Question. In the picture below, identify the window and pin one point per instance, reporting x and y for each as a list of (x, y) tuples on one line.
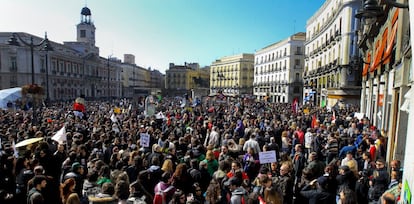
[(82, 33), (297, 63), (13, 81), (297, 77), (296, 89), (298, 50), (42, 65), (61, 67), (13, 63)]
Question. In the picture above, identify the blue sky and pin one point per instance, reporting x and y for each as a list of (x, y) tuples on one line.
[(158, 32)]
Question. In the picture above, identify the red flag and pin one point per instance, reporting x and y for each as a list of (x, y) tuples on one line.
[(313, 124), (333, 116), (295, 105)]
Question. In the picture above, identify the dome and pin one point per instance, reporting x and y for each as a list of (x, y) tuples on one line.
[(86, 11)]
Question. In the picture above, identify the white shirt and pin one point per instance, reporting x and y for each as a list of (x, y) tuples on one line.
[(308, 140)]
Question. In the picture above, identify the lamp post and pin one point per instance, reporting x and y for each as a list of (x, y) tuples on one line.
[(47, 47), (14, 40), (109, 90)]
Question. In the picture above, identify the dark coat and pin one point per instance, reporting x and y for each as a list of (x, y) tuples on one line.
[(317, 196)]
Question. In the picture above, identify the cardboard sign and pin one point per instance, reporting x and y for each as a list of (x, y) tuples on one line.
[(267, 157), (144, 139)]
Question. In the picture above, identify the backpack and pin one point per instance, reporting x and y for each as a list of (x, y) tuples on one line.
[(160, 195), (32, 194)]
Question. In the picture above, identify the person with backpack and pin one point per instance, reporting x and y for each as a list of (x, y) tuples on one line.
[(35, 194), (238, 193), (164, 190)]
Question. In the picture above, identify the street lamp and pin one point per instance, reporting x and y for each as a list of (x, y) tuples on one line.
[(13, 41), (47, 47), (109, 90), (372, 10)]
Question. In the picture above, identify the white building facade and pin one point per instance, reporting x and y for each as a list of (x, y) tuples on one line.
[(278, 70), (69, 70), (332, 65)]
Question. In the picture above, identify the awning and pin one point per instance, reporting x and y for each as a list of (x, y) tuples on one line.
[(383, 48), (379, 51), (388, 51)]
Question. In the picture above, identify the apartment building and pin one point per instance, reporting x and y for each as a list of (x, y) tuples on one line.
[(232, 75), (332, 65), (387, 74), (278, 70), (182, 79)]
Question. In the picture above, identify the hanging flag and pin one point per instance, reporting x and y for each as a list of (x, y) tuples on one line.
[(295, 105), (113, 118), (60, 136), (313, 124), (15, 152), (160, 115)]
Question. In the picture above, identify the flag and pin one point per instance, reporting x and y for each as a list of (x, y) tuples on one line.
[(60, 136), (295, 105), (113, 118), (313, 124), (159, 115), (333, 116), (15, 152)]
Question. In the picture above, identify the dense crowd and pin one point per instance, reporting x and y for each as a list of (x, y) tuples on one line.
[(210, 152)]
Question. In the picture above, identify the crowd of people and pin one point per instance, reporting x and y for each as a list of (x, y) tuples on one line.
[(207, 153)]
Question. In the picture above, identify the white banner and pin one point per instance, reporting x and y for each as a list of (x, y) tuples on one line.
[(60, 136), (144, 139), (267, 157)]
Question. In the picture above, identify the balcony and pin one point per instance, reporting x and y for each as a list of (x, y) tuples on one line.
[(13, 69)]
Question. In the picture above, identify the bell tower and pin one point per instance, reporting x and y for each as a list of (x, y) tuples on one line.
[(86, 28)]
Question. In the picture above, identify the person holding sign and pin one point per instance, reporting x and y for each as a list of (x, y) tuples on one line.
[(251, 161)]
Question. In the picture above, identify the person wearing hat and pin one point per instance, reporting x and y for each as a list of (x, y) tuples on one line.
[(237, 192), (317, 193), (77, 174)]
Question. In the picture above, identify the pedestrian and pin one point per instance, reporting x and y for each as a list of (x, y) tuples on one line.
[(67, 192), (35, 196)]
